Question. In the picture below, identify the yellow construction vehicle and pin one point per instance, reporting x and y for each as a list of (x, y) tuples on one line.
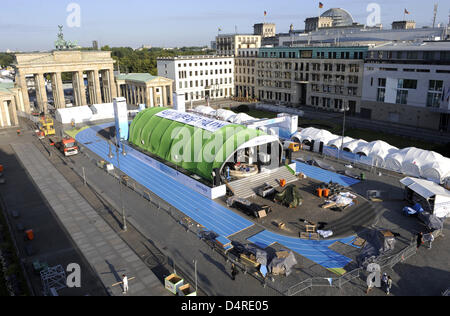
[(46, 127)]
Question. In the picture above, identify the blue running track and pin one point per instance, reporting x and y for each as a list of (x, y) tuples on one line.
[(316, 251), (204, 211), (325, 175), (201, 209)]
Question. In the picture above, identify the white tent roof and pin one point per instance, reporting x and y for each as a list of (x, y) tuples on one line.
[(394, 161), (436, 171), (224, 115), (377, 150), (414, 159), (338, 142), (307, 134), (241, 118), (206, 110), (352, 145)]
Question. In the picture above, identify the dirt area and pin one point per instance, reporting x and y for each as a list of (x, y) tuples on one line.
[(310, 211)]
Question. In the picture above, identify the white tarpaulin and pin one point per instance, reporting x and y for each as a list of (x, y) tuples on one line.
[(102, 111), (428, 190), (78, 114), (205, 110), (394, 161)]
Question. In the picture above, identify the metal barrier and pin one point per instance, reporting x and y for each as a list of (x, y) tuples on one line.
[(385, 263)]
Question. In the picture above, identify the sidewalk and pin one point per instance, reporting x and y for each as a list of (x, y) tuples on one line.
[(105, 251)]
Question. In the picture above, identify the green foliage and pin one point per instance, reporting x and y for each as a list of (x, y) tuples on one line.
[(243, 108), (6, 59), (144, 60)]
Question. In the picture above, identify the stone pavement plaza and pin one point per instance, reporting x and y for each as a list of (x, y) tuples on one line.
[(108, 255)]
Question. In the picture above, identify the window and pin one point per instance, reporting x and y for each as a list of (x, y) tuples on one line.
[(407, 84), (382, 82), (381, 94), (434, 96), (402, 97)]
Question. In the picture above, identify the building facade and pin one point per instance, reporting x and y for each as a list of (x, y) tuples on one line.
[(229, 44), (142, 88), (408, 84), (265, 29), (10, 100), (322, 77), (245, 73), (97, 65), (199, 78)]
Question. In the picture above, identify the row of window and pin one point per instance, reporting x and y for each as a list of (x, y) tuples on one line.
[(202, 95), (184, 74), (206, 83), (206, 63)]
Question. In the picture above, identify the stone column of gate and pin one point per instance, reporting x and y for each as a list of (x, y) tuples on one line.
[(76, 89), (164, 95), (147, 97), (155, 101), (14, 112), (150, 97), (171, 95), (60, 91), (20, 78), (3, 119), (105, 84), (112, 84), (42, 99), (81, 87), (98, 92), (91, 89)]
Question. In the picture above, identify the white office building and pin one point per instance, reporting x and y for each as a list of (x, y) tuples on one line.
[(408, 84), (199, 78)]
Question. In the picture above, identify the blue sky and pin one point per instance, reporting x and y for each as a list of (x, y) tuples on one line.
[(28, 25)]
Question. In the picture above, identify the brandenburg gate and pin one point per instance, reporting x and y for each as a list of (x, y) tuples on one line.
[(97, 65)]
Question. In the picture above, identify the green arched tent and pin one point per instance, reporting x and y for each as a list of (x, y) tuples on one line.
[(195, 149)]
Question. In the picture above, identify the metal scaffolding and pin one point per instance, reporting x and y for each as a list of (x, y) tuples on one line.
[(53, 279)]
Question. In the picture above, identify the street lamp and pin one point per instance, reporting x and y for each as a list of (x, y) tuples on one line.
[(344, 109), (124, 218)]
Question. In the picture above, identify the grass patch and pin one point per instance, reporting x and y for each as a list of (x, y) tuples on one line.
[(73, 132)]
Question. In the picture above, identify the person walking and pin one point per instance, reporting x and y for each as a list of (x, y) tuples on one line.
[(419, 240), (388, 285), (384, 281), (234, 271), (125, 284)]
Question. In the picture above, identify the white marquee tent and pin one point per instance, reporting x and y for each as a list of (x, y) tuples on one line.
[(241, 118), (352, 145), (337, 143), (225, 115), (415, 159), (377, 150), (436, 171)]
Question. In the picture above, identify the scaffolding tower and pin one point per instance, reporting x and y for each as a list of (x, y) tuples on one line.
[(53, 279)]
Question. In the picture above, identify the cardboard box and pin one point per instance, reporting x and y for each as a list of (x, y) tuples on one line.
[(173, 282)]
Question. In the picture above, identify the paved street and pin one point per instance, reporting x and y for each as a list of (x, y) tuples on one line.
[(106, 252)]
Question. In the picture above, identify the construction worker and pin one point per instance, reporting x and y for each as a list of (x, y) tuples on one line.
[(18, 132), (125, 284)]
